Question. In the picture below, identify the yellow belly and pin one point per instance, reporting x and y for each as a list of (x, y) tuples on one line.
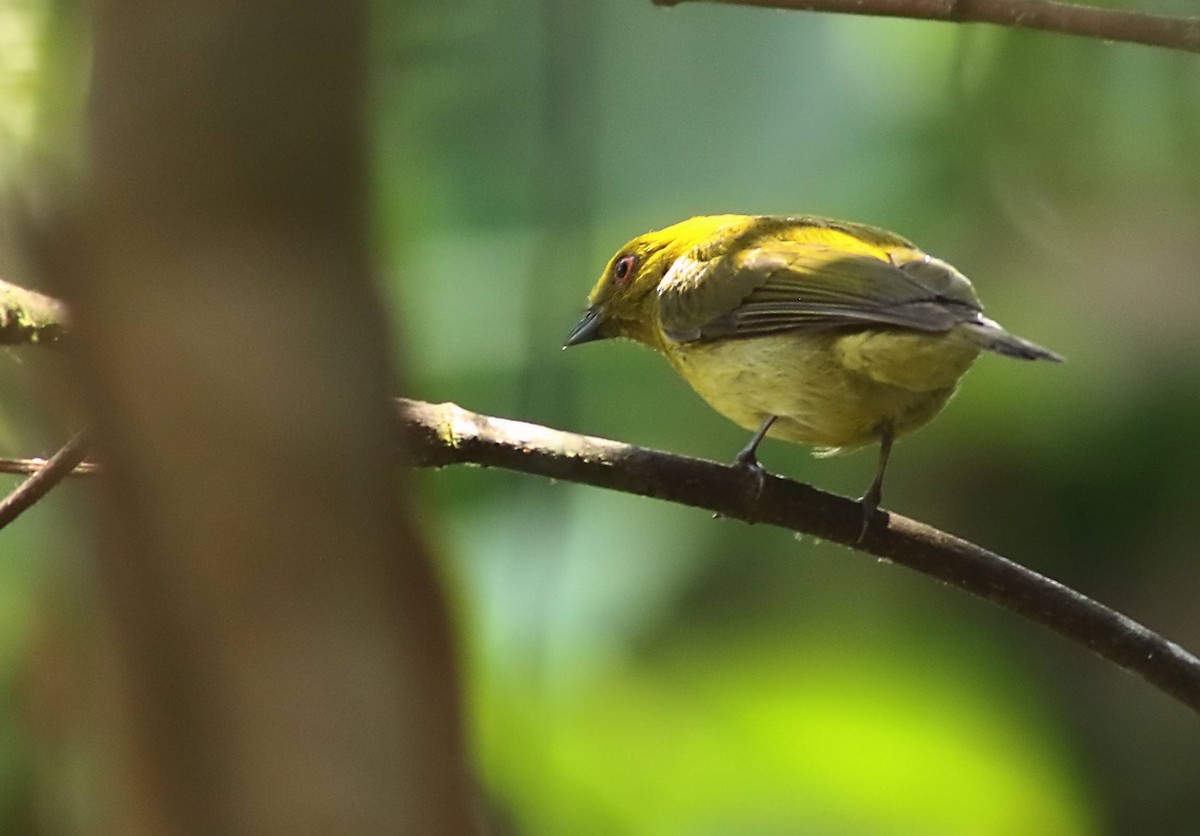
[(828, 390)]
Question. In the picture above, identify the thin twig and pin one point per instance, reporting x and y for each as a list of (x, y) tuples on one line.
[(57, 467), (23, 467), (1182, 33), (443, 434)]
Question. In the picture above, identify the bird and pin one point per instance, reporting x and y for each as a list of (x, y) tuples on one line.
[(827, 333)]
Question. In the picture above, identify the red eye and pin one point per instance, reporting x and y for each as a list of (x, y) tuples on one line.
[(626, 264)]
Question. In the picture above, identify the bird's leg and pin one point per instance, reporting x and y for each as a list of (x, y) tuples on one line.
[(870, 500), (747, 459)]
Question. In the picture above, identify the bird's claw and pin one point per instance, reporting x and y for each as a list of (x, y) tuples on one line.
[(870, 507), (748, 463)]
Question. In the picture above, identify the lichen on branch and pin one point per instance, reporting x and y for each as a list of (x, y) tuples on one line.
[(30, 318)]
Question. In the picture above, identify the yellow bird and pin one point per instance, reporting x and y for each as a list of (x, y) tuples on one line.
[(827, 333)]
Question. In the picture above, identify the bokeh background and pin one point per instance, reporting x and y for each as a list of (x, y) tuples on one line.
[(637, 668)]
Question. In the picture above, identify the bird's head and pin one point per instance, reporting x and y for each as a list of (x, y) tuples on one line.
[(623, 302)]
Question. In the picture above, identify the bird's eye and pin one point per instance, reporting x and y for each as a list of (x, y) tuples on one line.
[(625, 267)]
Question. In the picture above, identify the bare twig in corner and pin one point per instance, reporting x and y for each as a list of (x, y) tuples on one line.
[(442, 434), (23, 467), (57, 467), (1182, 33)]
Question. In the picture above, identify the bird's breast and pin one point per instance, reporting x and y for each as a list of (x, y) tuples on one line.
[(822, 386)]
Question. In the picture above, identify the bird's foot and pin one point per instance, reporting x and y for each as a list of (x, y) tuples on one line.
[(748, 463), (870, 507)]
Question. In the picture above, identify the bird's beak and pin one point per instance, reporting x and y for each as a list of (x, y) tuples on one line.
[(587, 329)]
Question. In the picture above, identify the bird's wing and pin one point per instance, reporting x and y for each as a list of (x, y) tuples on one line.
[(787, 285)]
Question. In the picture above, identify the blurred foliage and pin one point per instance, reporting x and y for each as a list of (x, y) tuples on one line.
[(639, 668)]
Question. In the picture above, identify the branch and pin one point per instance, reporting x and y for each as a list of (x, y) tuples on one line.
[(28, 317), (1182, 33), (437, 435), (61, 465), (24, 467)]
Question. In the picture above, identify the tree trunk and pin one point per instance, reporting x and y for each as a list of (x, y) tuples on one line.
[(282, 653)]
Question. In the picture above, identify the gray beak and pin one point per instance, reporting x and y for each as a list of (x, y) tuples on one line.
[(587, 329)]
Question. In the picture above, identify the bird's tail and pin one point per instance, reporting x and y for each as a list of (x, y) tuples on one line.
[(989, 336)]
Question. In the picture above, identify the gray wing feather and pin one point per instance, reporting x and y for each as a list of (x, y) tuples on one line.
[(793, 286)]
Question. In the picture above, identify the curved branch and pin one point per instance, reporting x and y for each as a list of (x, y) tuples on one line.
[(436, 435), (1182, 33)]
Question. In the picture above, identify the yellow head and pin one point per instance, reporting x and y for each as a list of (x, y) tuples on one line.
[(622, 304)]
